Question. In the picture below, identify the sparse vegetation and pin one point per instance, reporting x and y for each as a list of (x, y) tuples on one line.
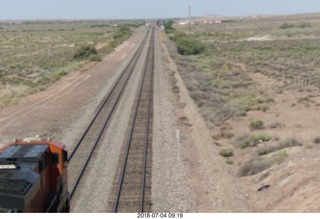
[(252, 140), (256, 124), (292, 25), (250, 67), (276, 125), (229, 161), (292, 142), (317, 140), (34, 54), (226, 152), (86, 52), (168, 26), (186, 44), (258, 165), (286, 25)]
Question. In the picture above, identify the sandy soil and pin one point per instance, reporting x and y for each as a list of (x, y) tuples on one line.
[(287, 187), (292, 184)]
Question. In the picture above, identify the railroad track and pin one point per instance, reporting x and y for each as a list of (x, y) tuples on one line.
[(132, 186), (91, 137)]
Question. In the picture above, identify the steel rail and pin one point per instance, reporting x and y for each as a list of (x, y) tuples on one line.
[(139, 51), (133, 124), (147, 132), (133, 62)]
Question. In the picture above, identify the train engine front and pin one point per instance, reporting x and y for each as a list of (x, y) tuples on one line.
[(33, 176)]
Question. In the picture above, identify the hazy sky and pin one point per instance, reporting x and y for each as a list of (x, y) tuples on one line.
[(89, 9)]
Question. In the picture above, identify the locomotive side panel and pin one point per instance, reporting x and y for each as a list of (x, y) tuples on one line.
[(33, 176)]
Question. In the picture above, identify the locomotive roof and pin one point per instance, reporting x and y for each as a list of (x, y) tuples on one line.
[(23, 151), (16, 164)]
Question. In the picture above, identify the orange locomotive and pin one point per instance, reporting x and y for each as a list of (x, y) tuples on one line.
[(33, 176)]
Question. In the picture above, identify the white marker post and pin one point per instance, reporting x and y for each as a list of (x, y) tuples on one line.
[(178, 142)]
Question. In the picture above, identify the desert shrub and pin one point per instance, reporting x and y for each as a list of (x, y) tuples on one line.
[(256, 124), (95, 58), (196, 95), (256, 166), (276, 125), (316, 140), (229, 161), (187, 45), (85, 52), (280, 157), (291, 142), (266, 150), (43, 81), (227, 134), (252, 140), (286, 25), (243, 103), (226, 112), (226, 152), (304, 25), (122, 33), (253, 167), (168, 26)]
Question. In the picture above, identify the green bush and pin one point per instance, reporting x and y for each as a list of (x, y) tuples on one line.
[(95, 58), (168, 26), (226, 152), (187, 45), (252, 140), (256, 124), (123, 32), (84, 52)]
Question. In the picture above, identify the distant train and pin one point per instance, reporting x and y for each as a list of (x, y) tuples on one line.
[(33, 176)]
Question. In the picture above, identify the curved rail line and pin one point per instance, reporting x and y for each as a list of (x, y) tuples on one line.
[(101, 119), (131, 187)]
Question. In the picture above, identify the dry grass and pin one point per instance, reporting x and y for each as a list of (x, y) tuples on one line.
[(292, 142), (35, 54), (258, 165), (251, 140), (224, 83)]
